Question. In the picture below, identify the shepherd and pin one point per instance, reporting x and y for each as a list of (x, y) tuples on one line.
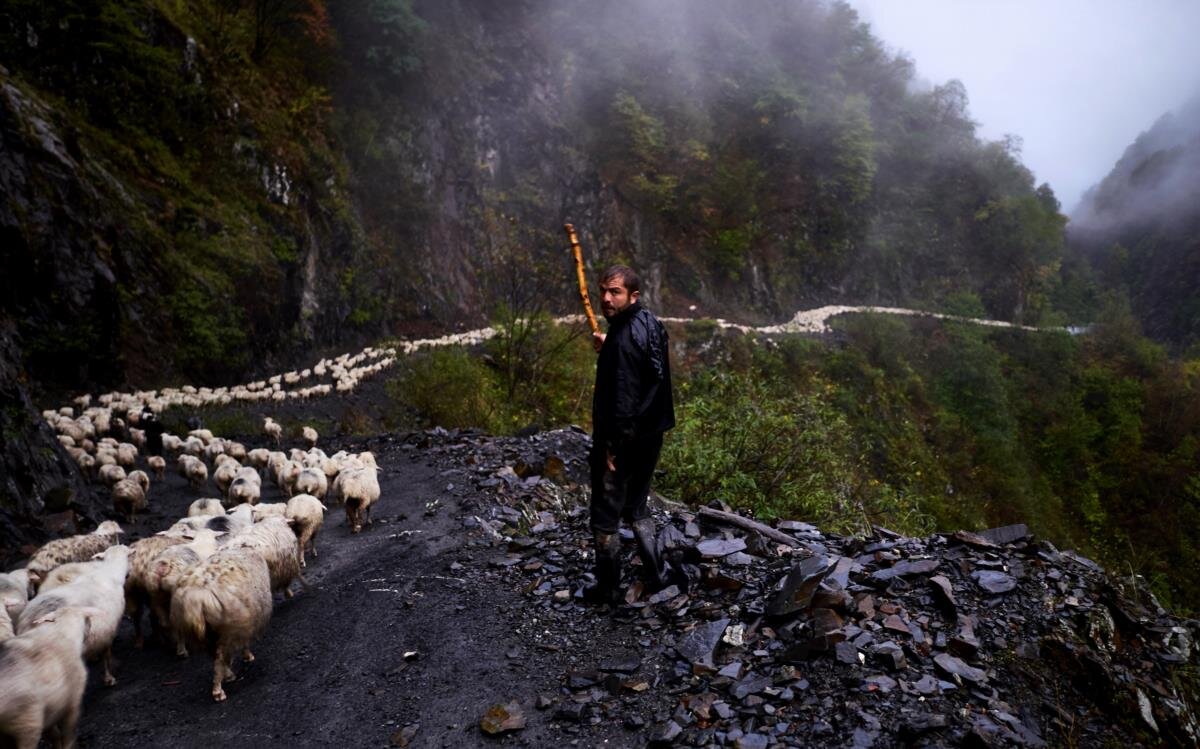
[(632, 408)]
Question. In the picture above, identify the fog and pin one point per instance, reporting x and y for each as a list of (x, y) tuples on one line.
[(1077, 80)]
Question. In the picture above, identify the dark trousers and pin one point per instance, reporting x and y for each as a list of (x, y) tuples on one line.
[(622, 493)]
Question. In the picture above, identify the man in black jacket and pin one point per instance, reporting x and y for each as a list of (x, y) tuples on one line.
[(631, 409)]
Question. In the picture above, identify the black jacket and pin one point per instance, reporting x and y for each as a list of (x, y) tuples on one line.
[(633, 380)]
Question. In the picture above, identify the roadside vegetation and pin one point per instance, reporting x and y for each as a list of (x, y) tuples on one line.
[(912, 424)]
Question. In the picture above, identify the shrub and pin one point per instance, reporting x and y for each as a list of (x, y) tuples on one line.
[(449, 388), (738, 441)]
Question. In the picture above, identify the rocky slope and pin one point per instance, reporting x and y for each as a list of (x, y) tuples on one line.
[(41, 489), (456, 617)]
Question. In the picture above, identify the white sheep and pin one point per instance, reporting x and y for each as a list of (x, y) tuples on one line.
[(205, 507), (99, 585), (274, 540), (14, 592), (243, 491), (311, 481), (168, 567), (270, 510), (42, 678), (310, 436), (286, 478), (140, 579), (126, 455), (73, 549), (273, 430), (194, 470), (258, 457), (158, 464), (224, 475), (224, 602), (130, 495), (307, 514), (236, 450), (359, 490), (110, 474)]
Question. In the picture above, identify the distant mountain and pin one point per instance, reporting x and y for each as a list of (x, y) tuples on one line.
[(1140, 226)]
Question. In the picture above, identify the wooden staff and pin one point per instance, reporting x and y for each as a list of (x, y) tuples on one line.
[(583, 292)]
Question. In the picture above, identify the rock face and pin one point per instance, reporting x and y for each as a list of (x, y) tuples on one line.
[(990, 639), (39, 483)]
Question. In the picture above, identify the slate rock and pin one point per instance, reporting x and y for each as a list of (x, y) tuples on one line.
[(404, 736), (715, 548), (994, 582), (1007, 534), (665, 733), (751, 684), (956, 667), (799, 586), (905, 568), (847, 653), (943, 594), (502, 718), (624, 665), (697, 645), (751, 741)]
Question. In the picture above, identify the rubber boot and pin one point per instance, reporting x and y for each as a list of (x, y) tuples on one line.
[(607, 570), (654, 567)]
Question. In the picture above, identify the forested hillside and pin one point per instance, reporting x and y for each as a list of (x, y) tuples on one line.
[(189, 183), (1139, 228)]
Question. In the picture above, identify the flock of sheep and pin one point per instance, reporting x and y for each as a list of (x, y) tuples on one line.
[(209, 579)]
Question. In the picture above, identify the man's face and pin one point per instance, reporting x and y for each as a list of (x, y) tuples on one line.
[(614, 297)]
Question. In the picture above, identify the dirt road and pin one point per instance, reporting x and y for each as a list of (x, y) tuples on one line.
[(405, 624)]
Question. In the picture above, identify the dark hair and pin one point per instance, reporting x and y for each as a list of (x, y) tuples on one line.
[(628, 278)]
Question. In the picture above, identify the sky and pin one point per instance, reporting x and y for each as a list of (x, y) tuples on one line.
[(1077, 80)]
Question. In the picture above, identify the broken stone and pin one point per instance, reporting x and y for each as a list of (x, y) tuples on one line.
[(864, 604), (824, 621), (715, 548), (1007, 534), (973, 539), (752, 684), (839, 577), (890, 655), (582, 679), (751, 741), (574, 712), (880, 683), (502, 718), (665, 594), (697, 645), (994, 582), (799, 586), (847, 653), (943, 595), (927, 685), (904, 569), (955, 667), (665, 734), (403, 737), (623, 665)]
